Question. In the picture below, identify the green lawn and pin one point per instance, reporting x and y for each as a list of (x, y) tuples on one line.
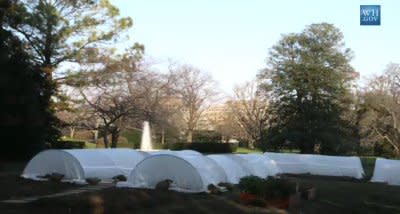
[(247, 150), (368, 165), (89, 145)]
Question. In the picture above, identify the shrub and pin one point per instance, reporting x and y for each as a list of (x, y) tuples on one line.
[(252, 184), (178, 146), (213, 147), (205, 147), (206, 136), (243, 144), (278, 188), (270, 188), (68, 144), (133, 136)]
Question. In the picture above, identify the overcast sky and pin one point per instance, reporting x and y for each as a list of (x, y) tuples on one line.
[(230, 38)]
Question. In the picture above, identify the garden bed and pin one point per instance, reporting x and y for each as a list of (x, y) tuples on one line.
[(14, 187)]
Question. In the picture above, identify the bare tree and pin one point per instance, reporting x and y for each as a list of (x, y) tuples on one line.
[(113, 110), (71, 119), (106, 90), (124, 91), (381, 102), (155, 92), (229, 127), (249, 107), (195, 90)]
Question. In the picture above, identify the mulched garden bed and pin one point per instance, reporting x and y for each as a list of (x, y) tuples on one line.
[(14, 187)]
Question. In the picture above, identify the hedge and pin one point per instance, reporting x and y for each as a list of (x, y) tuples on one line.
[(206, 136), (204, 147), (68, 144)]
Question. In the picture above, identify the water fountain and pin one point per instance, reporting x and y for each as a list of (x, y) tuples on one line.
[(145, 144)]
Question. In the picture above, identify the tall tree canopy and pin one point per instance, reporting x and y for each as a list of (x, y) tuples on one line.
[(26, 122), (380, 113), (57, 31), (195, 89), (309, 76), (250, 108)]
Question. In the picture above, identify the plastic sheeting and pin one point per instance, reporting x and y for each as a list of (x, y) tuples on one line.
[(189, 172), (260, 165), (318, 164), (78, 164), (51, 161), (125, 159), (234, 166), (387, 171), (289, 163), (180, 152), (335, 166)]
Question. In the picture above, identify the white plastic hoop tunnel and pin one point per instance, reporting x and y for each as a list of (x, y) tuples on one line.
[(189, 173), (78, 164)]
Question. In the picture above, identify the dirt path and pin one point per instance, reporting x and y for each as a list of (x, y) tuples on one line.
[(64, 193)]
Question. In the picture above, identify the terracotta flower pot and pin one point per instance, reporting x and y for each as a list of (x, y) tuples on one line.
[(279, 203), (247, 197)]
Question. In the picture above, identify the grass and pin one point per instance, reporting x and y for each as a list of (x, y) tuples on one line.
[(247, 150), (256, 150), (368, 165), (89, 145)]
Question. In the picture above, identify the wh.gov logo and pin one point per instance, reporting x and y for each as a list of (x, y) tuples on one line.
[(370, 15)]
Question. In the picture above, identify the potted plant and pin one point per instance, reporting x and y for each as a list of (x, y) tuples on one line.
[(271, 192), (251, 188), (278, 191)]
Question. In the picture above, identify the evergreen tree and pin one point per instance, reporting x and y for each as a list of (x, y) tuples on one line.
[(309, 77), (26, 121)]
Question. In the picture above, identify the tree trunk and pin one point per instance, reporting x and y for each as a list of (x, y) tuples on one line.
[(162, 136), (114, 137), (251, 144), (190, 136), (95, 136), (105, 136), (71, 132)]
